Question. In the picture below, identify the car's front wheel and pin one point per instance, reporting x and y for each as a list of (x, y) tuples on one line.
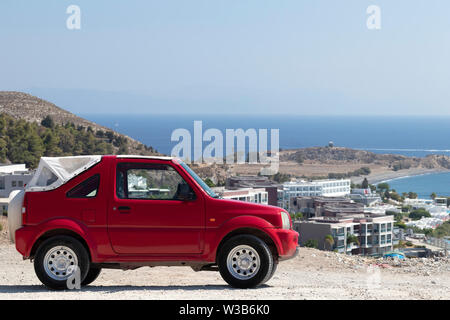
[(57, 260), (245, 261)]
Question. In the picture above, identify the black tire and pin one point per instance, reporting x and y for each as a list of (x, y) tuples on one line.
[(66, 241), (275, 265), (266, 261), (91, 276)]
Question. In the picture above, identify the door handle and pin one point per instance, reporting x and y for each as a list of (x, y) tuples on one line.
[(124, 209)]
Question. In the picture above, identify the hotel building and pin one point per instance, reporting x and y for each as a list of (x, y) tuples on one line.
[(324, 188)]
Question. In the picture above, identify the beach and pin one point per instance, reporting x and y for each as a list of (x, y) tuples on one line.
[(386, 175)]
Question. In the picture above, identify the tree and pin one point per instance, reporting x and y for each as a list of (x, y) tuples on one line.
[(400, 224), (48, 122), (109, 135), (395, 196), (419, 213), (433, 195), (329, 240), (442, 231), (3, 150), (351, 238), (25, 142), (365, 184), (407, 208), (298, 216), (209, 182), (51, 142), (281, 177), (383, 186), (412, 195), (398, 216), (2, 125)]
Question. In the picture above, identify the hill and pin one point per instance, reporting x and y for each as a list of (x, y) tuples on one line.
[(31, 127), (339, 162), (333, 155)]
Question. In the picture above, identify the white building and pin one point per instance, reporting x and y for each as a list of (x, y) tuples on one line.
[(375, 233), (365, 196), (255, 195), (437, 209), (426, 223), (417, 203), (381, 208), (442, 202), (302, 188), (12, 177)]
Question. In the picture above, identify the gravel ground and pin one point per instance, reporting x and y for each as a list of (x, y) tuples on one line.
[(311, 275)]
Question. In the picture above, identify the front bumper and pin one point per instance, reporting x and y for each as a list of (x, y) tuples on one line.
[(297, 250), (288, 243)]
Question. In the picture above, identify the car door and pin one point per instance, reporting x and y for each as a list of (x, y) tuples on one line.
[(146, 216)]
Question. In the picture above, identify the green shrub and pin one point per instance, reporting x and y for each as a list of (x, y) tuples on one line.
[(311, 243), (419, 213)]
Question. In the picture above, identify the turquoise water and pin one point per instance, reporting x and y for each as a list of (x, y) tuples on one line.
[(423, 185)]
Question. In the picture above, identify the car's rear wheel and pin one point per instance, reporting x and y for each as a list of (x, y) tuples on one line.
[(91, 276), (245, 261), (56, 261)]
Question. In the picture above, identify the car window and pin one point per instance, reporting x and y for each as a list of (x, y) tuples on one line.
[(120, 189), (198, 179), (86, 189), (148, 181)]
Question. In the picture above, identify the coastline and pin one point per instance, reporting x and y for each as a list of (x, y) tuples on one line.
[(385, 176)]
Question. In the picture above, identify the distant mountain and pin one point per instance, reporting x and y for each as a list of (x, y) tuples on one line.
[(63, 133)]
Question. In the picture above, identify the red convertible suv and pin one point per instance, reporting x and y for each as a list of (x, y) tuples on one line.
[(126, 212)]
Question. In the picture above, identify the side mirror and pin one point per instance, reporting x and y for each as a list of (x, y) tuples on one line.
[(184, 192)]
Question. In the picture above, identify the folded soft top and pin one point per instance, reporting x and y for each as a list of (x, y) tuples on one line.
[(53, 172)]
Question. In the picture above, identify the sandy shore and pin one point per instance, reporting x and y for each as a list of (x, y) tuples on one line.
[(383, 175)]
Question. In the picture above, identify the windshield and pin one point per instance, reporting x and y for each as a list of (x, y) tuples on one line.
[(198, 179)]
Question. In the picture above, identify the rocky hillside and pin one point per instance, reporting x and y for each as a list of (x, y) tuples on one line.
[(335, 155), (22, 106)]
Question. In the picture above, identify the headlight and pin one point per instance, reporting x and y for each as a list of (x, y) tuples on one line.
[(285, 220)]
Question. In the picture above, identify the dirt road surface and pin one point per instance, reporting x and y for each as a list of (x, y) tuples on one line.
[(311, 275)]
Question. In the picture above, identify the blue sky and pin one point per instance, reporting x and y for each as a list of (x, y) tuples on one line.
[(214, 56)]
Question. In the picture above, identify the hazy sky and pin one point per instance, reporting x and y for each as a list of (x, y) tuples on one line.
[(233, 56)]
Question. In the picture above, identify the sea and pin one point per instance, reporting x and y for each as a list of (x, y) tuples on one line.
[(406, 135)]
